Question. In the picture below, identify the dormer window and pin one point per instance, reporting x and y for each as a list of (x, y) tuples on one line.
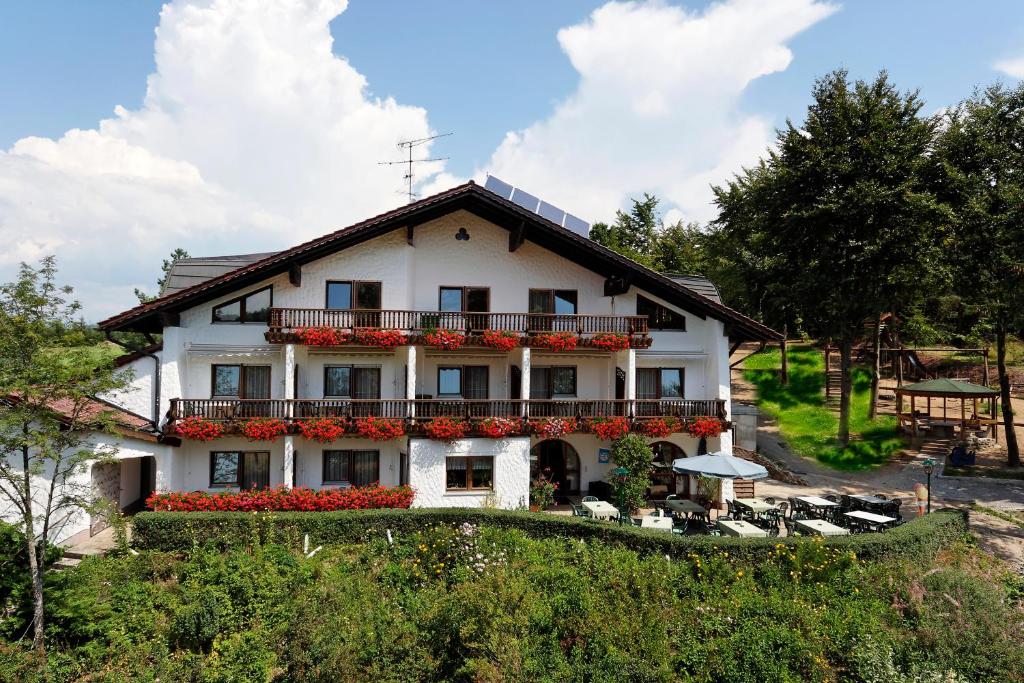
[(250, 308), (659, 317)]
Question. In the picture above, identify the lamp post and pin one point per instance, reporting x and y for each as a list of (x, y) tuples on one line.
[(621, 473), (929, 467)]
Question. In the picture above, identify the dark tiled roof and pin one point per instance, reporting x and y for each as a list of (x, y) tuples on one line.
[(189, 272), (479, 201), (697, 283)]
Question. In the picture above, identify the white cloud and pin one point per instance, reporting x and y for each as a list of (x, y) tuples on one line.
[(657, 107), (252, 136), (1013, 67)]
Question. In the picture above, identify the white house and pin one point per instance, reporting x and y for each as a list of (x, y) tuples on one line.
[(471, 259)]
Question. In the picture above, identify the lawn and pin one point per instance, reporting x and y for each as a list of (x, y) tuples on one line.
[(807, 424), (474, 603)]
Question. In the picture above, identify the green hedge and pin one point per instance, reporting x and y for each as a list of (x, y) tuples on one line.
[(175, 531)]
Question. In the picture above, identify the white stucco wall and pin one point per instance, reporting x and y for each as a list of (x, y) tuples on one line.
[(511, 471), (137, 397)]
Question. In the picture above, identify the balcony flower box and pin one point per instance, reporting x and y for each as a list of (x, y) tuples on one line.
[(282, 499), (449, 340), (445, 429), (385, 339), (500, 427), (379, 428), (610, 341), (196, 428), (322, 429), (553, 427), (556, 341), (321, 336), (704, 427), (503, 340), (609, 428), (263, 429), (659, 427)]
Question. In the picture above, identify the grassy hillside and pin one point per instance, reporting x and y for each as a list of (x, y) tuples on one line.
[(807, 424)]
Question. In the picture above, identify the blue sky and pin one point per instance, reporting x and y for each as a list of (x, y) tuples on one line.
[(236, 126), (65, 64)]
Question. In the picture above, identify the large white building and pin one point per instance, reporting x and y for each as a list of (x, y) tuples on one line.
[(469, 259)]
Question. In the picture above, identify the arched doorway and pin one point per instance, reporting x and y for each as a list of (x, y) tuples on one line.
[(664, 453), (563, 462)]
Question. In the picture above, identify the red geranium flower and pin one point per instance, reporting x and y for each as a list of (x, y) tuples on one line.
[(556, 341), (704, 427), (263, 429), (282, 499), (500, 427), (610, 428), (444, 339), (610, 341), (503, 340), (551, 427), (385, 339), (659, 427), (379, 428), (445, 429), (198, 428), (321, 336), (322, 429)]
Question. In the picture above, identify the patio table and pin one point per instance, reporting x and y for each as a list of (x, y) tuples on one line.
[(820, 527), (660, 523), (739, 528), (755, 505), (686, 507), (871, 517), (817, 501), (870, 500), (601, 509)]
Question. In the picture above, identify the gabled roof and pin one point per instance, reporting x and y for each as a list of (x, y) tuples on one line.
[(697, 283), (475, 199), (188, 272), (947, 387), (93, 409)]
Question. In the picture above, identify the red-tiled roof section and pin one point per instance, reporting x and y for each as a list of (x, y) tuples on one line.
[(716, 309), (93, 409)]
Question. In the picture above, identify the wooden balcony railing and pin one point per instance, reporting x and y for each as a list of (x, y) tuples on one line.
[(227, 410), (286, 320)]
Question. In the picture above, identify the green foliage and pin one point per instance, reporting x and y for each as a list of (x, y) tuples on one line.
[(165, 267), (540, 608), (633, 453), (180, 531), (807, 424), (633, 234)]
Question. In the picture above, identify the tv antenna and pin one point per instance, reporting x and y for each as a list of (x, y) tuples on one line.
[(408, 145)]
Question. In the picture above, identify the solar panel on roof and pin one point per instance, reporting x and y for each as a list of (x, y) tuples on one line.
[(551, 212), (498, 187), (525, 200), (577, 225)]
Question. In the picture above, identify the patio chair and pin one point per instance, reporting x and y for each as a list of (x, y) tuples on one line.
[(672, 496), (882, 496), (783, 508), (893, 509), (679, 526), (589, 499), (769, 500), (790, 527), (712, 530), (579, 511), (727, 518), (794, 506), (847, 504), (832, 497)]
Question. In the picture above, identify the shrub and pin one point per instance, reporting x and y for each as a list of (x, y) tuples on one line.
[(633, 453), (284, 499)]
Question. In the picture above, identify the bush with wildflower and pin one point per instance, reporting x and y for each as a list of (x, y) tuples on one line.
[(451, 554)]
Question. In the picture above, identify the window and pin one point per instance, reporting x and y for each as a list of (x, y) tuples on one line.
[(658, 383), (353, 295), (347, 381), (456, 299), (467, 381), (251, 308), (356, 468), (469, 473), (659, 317), (241, 381), (560, 301), (551, 382), (249, 470)]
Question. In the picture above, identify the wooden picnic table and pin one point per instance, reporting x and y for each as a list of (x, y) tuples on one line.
[(660, 523), (685, 507), (740, 528), (817, 501), (820, 527), (601, 509), (871, 517), (755, 505)]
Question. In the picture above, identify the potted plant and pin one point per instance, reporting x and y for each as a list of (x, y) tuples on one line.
[(542, 491)]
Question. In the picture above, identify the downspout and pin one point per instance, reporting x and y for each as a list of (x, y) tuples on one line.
[(156, 376)]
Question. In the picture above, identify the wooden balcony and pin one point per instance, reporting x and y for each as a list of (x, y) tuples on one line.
[(284, 322), (239, 410)]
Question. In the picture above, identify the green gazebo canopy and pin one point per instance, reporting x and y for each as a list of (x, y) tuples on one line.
[(947, 387)]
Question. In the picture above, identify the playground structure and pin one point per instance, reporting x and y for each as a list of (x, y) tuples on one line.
[(961, 394)]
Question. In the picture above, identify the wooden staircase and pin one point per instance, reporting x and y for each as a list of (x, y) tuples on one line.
[(833, 379)]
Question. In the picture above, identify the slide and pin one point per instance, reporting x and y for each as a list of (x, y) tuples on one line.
[(915, 364)]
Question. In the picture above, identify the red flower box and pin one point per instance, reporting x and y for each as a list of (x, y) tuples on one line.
[(610, 341), (503, 340), (659, 427), (551, 427), (610, 428), (556, 341), (385, 339), (704, 427), (322, 429), (444, 339), (500, 427), (322, 336), (379, 428), (196, 428), (445, 429), (283, 499), (264, 429)]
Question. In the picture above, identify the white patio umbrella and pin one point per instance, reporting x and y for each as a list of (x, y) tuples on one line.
[(720, 466)]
